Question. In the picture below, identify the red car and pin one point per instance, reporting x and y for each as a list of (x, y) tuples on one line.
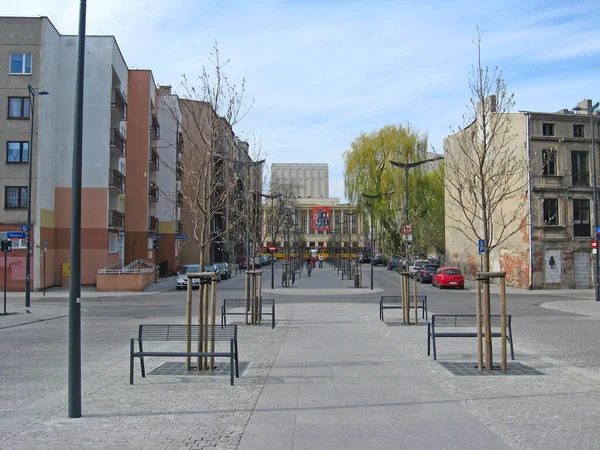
[(448, 277)]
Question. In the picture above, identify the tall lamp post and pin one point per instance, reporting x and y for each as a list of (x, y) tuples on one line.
[(372, 199), (407, 166), (32, 95), (272, 197), (590, 110)]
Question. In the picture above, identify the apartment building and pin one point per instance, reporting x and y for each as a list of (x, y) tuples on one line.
[(553, 247), (34, 53)]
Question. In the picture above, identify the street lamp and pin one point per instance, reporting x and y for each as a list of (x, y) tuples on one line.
[(32, 94), (372, 199), (272, 197), (407, 166), (590, 110)]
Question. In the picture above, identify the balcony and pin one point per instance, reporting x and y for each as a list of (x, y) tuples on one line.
[(116, 181), (581, 178), (118, 104), (153, 193), (178, 227), (116, 220), (117, 142), (154, 161), (179, 172), (180, 199), (152, 224), (154, 128)]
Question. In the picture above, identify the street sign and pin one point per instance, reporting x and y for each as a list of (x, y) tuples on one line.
[(598, 230), (409, 237), (15, 235), (182, 237), (156, 236), (481, 245), (24, 228), (272, 248), (45, 245), (594, 244), (407, 229)]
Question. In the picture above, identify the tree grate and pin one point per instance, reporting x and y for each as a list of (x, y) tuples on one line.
[(466, 369)]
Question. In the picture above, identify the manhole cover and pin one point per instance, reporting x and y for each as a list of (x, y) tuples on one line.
[(178, 368), (462, 369)]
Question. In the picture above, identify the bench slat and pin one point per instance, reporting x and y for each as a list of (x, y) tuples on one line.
[(180, 332)]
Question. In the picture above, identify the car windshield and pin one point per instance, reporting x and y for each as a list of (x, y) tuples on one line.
[(209, 268), (190, 269), (452, 272), (431, 268)]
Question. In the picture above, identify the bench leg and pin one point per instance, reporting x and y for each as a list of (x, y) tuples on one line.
[(433, 343), (231, 362), (426, 312), (142, 360), (512, 350), (428, 339), (381, 311), (131, 360), (222, 313), (237, 368), (223, 317), (273, 318)]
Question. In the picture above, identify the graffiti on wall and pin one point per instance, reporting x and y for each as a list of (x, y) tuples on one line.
[(552, 266)]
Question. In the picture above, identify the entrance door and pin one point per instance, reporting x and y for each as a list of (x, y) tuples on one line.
[(582, 270)]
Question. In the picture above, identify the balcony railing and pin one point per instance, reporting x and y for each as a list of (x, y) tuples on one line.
[(582, 230), (581, 178), (154, 160), (117, 141), (116, 180), (179, 172), (154, 128), (116, 219), (153, 192), (178, 226), (179, 145), (180, 199), (118, 103), (152, 224)]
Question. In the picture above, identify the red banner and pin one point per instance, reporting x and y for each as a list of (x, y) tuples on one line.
[(321, 216)]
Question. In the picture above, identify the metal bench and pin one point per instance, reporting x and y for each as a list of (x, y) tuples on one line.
[(395, 302), (242, 307), (181, 333), (465, 321)]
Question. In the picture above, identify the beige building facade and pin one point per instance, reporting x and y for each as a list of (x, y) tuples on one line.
[(552, 246)]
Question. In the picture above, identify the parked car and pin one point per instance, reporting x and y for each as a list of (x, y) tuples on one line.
[(415, 266), (224, 269), (425, 274), (213, 268), (257, 262), (265, 260), (393, 263), (379, 260), (448, 277), (181, 282)]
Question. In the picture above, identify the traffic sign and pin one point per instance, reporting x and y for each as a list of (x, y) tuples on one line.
[(24, 228), (481, 244), (45, 245), (407, 229), (594, 244), (272, 248), (15, 235)]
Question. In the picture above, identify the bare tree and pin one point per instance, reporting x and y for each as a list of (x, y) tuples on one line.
[(486, 171)]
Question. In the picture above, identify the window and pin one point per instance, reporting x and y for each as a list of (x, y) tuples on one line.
[(17, 152), (548, 129), (16, 242), (550, 211), (18, 107), (113, 242), (15, 197), (579, 167), (303, 223), (577, 130), (581, 218), (20, 64), (549, 161)]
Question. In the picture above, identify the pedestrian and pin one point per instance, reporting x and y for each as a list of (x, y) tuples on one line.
[(320, 261), (309, 265), (314, 262)]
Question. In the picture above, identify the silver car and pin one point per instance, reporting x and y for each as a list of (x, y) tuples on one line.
[(182, 276)]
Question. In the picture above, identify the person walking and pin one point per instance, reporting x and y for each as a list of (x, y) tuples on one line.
[(309, 265), (320, 261)]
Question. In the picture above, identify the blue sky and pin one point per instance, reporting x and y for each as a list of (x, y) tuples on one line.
[(322, 72)]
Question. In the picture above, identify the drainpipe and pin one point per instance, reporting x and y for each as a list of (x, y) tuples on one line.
[(529, 201)]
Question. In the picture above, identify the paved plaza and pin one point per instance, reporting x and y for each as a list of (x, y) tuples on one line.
[(331, 375)]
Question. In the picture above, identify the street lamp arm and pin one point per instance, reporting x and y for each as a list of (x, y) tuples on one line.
[(415, 164)]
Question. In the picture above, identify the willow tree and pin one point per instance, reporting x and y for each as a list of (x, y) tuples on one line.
[(367, 171)]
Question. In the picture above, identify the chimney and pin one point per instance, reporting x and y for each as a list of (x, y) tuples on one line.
[(164, 90)]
